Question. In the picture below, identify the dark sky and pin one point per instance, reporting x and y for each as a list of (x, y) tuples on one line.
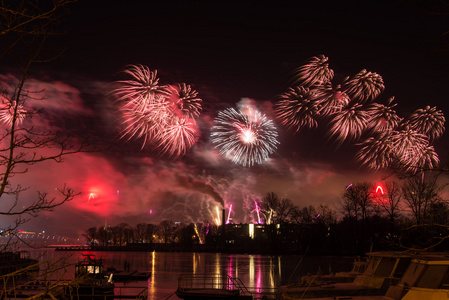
[(228, 51)]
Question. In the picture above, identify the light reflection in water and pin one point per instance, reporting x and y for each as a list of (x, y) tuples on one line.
[(152, 281)]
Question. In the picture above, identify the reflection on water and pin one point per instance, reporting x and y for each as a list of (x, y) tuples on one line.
[(255, 271)]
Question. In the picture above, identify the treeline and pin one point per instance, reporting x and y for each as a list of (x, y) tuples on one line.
[(394, 216)]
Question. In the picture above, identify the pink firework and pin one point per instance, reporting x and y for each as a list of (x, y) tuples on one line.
[(10, 111), (145, 123), (382, 117), (298, 108), (376, 153), (349, 123), (406, 149), (177, 136), (409, 148), (332, 99), (314, 72), (141, 88), (184, 100), (428, 121), (163, 116), (364, 86)]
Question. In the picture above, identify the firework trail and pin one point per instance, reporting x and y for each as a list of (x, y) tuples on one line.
[(364, 86), (257, 212), (229, 215), (163, 116), (428, 121), (314, 72), (298, 108), (246, 137)]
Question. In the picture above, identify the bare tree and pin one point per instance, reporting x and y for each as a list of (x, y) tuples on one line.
[(419, 193), (268, 207), (26, 27), (276, 210), (391, 199), (358, 199), (166, 229)]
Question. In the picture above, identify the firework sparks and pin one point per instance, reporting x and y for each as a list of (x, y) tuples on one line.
[(314, 72), (246, 137), (298, 108)]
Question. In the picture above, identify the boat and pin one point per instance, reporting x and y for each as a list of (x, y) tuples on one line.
[(91, 279), (358, 268), (426, 278), (383, 270)]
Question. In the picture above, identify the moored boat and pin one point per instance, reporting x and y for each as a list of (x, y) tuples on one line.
[(383, 269), (91, 279)]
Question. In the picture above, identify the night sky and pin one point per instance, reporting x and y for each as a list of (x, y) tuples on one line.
[(230, 52)]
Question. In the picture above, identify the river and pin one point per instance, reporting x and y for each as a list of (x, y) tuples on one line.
[(256, 271)]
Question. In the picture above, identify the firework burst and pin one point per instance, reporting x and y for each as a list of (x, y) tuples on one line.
[(405, 149), (364, 86), (376, 153), (349, 123), (428, 121), (141, 88), (382, 117), (298, 108), (9, 111), (163, 116), (246, 137), (178, 136), (331, 99), (314, 72), (184, 100)]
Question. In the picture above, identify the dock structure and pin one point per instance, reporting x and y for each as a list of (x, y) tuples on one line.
[(220, 287)]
